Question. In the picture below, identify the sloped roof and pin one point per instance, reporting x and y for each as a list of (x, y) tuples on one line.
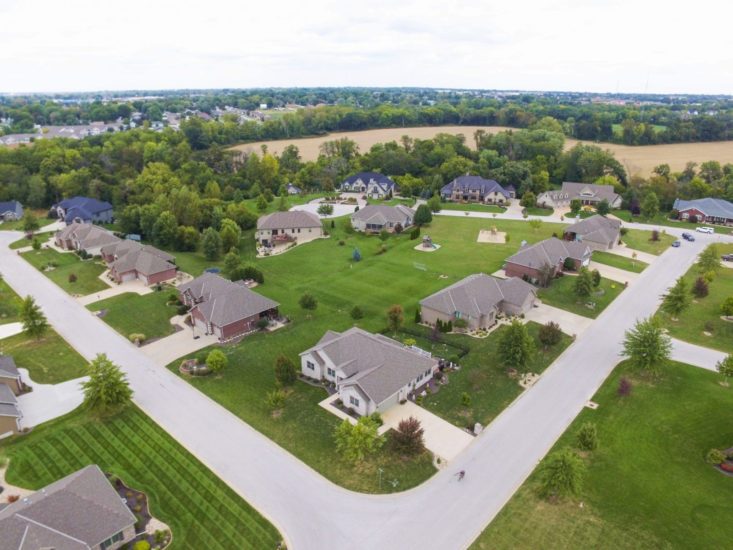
[(378, 365), (122, 247), (596, 229), (8, 402), (367, 177), (381, 214), (289, 220), (573, 190), (8, 367), (78, 511), (133, 256), (717, 208), (551, 251), (474, 183), (83, 207), (87, 234), (11, 206), (478, 295)]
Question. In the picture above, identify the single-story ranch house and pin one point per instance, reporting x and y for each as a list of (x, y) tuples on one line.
[(129, 260), (291, 189), (530, 261), (83, 209), (372, 184), (81, 511), (476, 189), (588, 194), (371, 372), (597, 232), (706, 210), (375, 217), (11, 211), (84, 236), (478, 299), (224, 308), (296, 226)]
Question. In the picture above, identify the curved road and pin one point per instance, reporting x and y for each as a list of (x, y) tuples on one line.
[(310, 511)]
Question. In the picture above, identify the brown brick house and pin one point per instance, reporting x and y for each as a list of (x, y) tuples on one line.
[(531, 260), (598, 232), (129, 260), (84, 236), (224, 308)]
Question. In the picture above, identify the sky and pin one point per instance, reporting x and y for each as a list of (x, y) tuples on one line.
[(571, 45)]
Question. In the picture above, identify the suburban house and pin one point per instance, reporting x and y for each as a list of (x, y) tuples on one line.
[(291, 189), (10, 211), (531, 261), (129, 261), (478, 299), (224, 308), (295, 226), (372, 184), (371, 372), (476, 189), (84, 236), (9, 374), (375, 217), (10, 414), (706, 210), (598, 232), (587, 193), (80, 511), (83, 209)]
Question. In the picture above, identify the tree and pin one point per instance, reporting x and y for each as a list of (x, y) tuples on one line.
[(33, 319), (709, 260), (165, 229), (575, 206), (650, 206), (356, 313), (30, 223), (230, 234), (677, 299), (232, 265), (285, 372), (647, 345), (726, 308), (516, 346), (528, 200), (550, 334), (383, 235), (308, 301), (587, 437), (261, 203), (423, 215), (603, 208), (325, 209), (211, 244), (434, 203), (395, 317), (216, 360), (355, 441), (107, 389), (561, 474), (596, 278), (725, 367), (535, 224), (700, 289), (583, 285), (282, 204), (408, 438)]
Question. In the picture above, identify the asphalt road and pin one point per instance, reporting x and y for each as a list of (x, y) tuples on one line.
[(313, 513)]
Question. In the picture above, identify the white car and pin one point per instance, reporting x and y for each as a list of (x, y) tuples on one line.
[(704, 229)]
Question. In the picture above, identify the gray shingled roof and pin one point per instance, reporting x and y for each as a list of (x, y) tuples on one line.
[(474, 183), (144, 259), (122, 247), (377, 365), (478, 295), (289, 220), (596, 229), (552, 251), (717, 208), (8, 367), (88, 235), (78, 511), (381, 214), (8, 402), (573, 190)]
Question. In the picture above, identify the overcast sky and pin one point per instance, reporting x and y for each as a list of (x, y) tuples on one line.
[(582, 45)]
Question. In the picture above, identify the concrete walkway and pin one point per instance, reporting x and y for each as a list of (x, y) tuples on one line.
[(10, 329), (570, 323), (695, 355), (614, 273), (48, 401), (137, 287)]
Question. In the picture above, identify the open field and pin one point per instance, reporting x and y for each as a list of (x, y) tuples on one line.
[(638, 160), (131, 313), (200, 509), (87, 271), (622, 262), (647, 485), (49, 360)]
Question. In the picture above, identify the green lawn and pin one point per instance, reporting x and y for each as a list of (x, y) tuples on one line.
[(49, 360), (17, 225), (663, 219), (202, 511), (23, 241), (647, 485), (539, 211), (484, 378), (561, 294), (9, 304), (472, 207), (87, 271), (621, 262), (703, 315), (292, 200), (131, 313), (639, 239)]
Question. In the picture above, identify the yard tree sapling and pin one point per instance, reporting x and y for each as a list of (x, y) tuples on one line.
[(709, 259), (434, 203), (587, 437), (211, 244), (528, 200), (356, 441), (34, 321), (596, 278), (230, 234), (677, 299), (650, 206), (261, 203), (575, 206), (30, 223), (726, 308), (550, 334), (395, 318), (603, 208), (516, 346), (700, 289), (408, 437), (725, 367), (583, 284), (423, 215), (561, 474), (216, 360), (107, 389), (285, 371), (647, 345)]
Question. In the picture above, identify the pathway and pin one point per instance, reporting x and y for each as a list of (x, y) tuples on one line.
[(10, 329), (695, 355), (570, 323)]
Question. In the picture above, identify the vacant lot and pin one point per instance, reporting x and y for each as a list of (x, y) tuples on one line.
[(647, 484), (131, 313), (49, 360), (63, 266), (201, 510), (9, 304)]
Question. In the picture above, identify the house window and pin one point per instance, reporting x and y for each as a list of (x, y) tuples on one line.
[(331, 372), (353, 401), (117, 537), (427, 372), (310, 365)]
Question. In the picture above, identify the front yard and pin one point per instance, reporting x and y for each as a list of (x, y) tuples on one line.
[(647, 485), (202, 510), (621, 262), (9, 304), (60, 267), (641, 240), (472, 207), (561, 294), (131, 313), (49, 360)]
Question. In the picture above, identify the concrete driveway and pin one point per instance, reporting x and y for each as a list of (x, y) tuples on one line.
[(570, 323), (48, 401), (10, 329), (181, 343), (614, 273), (695, 355), (442, 438), (137, 287)]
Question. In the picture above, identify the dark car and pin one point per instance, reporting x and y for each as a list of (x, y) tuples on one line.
[(727, 257), (676, 244), (688, 236)]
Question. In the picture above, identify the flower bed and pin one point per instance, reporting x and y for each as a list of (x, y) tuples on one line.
[(191, 367)]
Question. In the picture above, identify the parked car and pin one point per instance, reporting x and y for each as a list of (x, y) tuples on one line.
[(727, 257), (688, 236), (705, 229), (676, 244)]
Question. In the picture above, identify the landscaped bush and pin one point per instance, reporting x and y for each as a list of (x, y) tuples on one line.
[(216, 360), (141, 545), (342, 242), (72, 277), (356, 313), (263, 323), (550, 334), (623, 231), (715, 456), (624, 387), (408, 437), (587, 437), (182, 309), (414, 233), (137, 338), (569, 264)]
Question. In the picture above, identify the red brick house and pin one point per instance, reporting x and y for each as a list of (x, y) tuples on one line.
[(531, 260), (707, 210), (224, 308), (130, 261)]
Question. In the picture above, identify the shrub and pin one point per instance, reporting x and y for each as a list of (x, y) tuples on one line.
[(342, 242), (275, 399), (700, 289), (414, 233), (377, 418), (561, 474), (36, 244), (285, 372), (398, 228), (251, 272), (596, 278), (587, 437), (460, 323), (465, 399), (624, 387), (137, 338), (623, 231), (715, 456), (141, 545), (216, 360), (418, 316), (201, 358), (308, 302), (423, 215), (408, 437), (726, 307), (550, 334), (72, 277), (381, 250), (568, 264), (356, 313), (263, 323), (655, 235), (383, 235)]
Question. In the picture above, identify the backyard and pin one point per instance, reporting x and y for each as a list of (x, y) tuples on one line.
[(49, 360), (621, 262), (87, 272), (561, 294), (647, 485), (202, 510), (131, 313), (641, 240)]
